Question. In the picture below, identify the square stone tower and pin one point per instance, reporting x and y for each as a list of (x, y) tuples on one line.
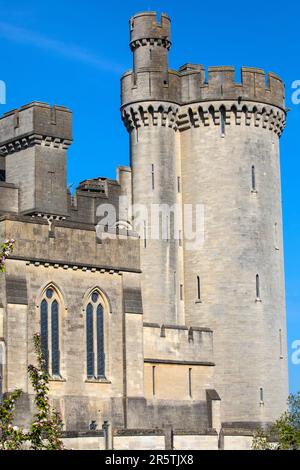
[(34, 140)]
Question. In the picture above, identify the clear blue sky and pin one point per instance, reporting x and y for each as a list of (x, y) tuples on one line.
[(72, 52)]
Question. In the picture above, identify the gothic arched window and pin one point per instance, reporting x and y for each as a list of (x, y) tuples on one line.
[(49, 321), (95, 337)]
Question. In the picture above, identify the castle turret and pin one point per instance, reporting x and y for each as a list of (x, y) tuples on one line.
[(150, 116), (150, 42)]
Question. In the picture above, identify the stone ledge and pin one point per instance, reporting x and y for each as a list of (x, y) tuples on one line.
[(74, 434), (138, 432), (183, 363), (62, 264), (195, 432)]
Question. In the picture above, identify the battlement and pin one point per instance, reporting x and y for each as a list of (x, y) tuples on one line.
[(146, 26), (97, 185), (189, 85), (34, 123), (254, 85), (178, 343)]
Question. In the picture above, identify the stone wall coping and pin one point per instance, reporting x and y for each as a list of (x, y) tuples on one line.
[(177, 327), (175, 362), (57, 223), (138, 432), (84, 434), (195, 432)]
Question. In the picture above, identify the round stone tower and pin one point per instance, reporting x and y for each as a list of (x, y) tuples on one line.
[(234, 283), (213, 143), (150, 114)]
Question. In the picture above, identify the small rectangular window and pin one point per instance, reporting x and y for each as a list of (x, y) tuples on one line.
[(261, 394), (190, 384), (153, 177), (179, 184), (198, 289), (181, 291), (180, 238), (253, 178), (257, 287), (153, 381), (280, 344)]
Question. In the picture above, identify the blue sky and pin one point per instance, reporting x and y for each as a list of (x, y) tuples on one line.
[(72, 53)]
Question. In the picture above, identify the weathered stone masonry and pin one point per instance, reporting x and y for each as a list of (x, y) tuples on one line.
[(191, 343)]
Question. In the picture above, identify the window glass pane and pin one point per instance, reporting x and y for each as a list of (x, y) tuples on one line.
[(90, 340), (55, 338), (49, 293), (100, 342), (44, 332)]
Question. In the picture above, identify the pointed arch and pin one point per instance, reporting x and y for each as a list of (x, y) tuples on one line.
[(234, 112), (160, 116), (191, 117), (151, 115), (58, 290), (211, 111), (104, 297), (51, 307), (95, 306), (201, 115)]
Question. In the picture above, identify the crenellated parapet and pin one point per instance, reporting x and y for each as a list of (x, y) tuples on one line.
[(254, 86), (147, 26), (34, 140), (35, 124), (189, 84)]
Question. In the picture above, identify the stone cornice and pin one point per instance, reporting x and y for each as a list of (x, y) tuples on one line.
[(20, 143), (203, 114), (163, 42), (73, 265), (163, 114)]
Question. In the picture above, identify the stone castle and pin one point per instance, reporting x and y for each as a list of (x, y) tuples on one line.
[(149, 343)]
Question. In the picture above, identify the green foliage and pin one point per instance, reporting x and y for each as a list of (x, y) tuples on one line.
[(285, 431), (6, 249), (12, 437), (45, 432), (46, 427)]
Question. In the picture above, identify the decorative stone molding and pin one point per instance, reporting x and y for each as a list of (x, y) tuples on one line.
[(150, 114), (246, 113), (163, 42), (74, 266), (29, 141), (204, 114)]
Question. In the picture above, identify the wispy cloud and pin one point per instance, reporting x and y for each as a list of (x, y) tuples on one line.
[(70, 51)]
